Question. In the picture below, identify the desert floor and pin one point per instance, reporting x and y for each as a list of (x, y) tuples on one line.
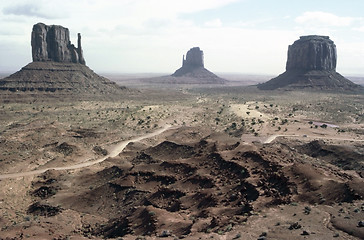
[(183, 161)]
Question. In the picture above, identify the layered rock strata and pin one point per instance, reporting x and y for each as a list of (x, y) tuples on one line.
[(311, 63), (56, 77)]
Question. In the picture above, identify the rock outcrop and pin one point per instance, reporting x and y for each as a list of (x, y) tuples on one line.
[(311, 63), (58, 66), (194, 58), (52, 43), (58, 77), (193, 61), (193, 70), (312, 53)]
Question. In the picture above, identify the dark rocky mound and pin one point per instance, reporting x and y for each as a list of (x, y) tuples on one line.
[(191, 72), (345, 157), (191, 186), (57, 66), (204, 191), (311, 63)]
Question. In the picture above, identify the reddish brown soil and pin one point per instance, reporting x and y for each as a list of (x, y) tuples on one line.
[(200, 184)]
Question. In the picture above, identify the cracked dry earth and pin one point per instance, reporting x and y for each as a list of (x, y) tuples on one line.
[(193, 183)]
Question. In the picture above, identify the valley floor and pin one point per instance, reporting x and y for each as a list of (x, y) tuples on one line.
[(192, 161)]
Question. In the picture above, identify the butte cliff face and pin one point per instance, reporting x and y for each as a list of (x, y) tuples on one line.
[(194, 58), (193, 70), (311, 63), (58, 66), (52, 43), (194, 61), (312, 53)]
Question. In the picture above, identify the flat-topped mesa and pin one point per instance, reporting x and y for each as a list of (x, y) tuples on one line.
[(312, 52), (311, 64), (194, 58), (52, 43)]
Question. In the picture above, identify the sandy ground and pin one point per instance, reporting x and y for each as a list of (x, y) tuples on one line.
[(248, 110), (114, 171)]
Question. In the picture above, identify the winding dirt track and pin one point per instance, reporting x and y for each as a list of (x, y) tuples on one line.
[(273, 137), (120, 147), (113, 153)]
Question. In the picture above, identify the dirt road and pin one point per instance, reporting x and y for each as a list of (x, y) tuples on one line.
[(120, 147), (113, 153), (273, 137)]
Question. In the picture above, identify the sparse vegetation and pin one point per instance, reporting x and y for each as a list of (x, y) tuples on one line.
[(31, 132)]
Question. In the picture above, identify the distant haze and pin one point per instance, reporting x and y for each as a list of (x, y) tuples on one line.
[(150, 36)]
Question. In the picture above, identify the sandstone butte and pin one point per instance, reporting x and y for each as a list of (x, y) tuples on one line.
[(58, 66), (193, 67), (311, 64)]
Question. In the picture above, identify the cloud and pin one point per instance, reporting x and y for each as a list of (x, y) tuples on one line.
[(359, 29), (30, 10), (324, 19), (186, 6), (214, 23)]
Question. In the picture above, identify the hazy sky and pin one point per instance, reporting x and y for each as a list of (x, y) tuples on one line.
[(140, 36)]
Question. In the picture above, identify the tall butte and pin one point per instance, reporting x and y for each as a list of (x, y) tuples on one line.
[(52, 43), (193, 68), (311, 63), (58, 66)]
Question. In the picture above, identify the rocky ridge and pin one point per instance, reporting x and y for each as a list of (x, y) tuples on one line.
[(311, 63)]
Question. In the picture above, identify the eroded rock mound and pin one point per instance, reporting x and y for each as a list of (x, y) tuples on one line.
[(58, 77), (191, 186), (311, 63)]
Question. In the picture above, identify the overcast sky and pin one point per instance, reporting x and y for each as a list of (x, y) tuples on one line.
[(141, 36)]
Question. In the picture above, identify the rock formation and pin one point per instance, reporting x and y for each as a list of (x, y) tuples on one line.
[(193, 61), (193, 70), (312, 53), (311, 63), (194, 58), (52, 43), (53, 76), (58, 66)]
